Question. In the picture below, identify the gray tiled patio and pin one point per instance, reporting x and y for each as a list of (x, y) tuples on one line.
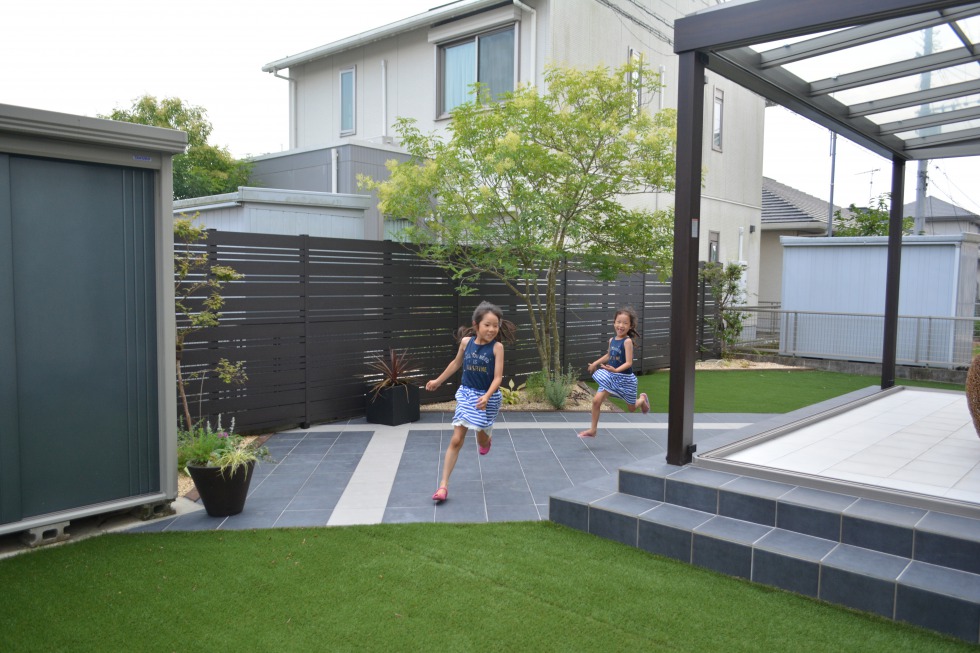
[(359, 473)]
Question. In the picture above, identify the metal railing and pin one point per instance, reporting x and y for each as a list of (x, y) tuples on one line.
[(923, 340)]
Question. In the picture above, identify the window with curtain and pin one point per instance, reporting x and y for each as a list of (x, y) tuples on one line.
[(717, 120), (485, 58), (347, 79)]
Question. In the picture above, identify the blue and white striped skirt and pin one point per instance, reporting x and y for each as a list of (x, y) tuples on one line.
[(466, 413), (618, 385)]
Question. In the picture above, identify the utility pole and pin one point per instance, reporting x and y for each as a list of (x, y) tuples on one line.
[(833, 165), (922, 176)]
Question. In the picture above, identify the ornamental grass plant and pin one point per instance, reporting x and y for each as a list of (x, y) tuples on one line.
[(205, 446)]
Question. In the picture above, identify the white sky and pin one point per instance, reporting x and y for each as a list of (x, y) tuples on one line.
[(88, 58)]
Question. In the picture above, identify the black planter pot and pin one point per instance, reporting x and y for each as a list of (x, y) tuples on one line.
[(394, 406), (222, 496)]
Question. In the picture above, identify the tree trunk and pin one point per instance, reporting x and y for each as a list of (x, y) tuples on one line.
[(188, 424)]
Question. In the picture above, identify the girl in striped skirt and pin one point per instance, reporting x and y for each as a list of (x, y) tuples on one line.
[(478, 399), (615, 374)]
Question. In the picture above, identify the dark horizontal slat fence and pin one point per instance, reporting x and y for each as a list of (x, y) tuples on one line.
[(311, 312)]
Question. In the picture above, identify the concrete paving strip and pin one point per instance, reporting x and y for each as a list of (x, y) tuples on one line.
[(366, 496)]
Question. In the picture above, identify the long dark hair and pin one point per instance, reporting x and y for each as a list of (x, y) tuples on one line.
[(628, 311), (507, 330)]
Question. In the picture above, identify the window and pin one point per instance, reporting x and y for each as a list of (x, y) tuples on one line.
[(486, 59), (717, 121), (713, 238), (347, 105), (635, 77)]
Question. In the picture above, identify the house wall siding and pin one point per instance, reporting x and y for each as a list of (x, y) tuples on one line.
[(579, 33)]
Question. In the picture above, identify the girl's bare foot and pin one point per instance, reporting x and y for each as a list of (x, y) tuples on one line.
[(645, 407), (588, 433)]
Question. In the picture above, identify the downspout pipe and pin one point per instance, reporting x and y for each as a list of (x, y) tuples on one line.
[(292, 106), (534, 38)]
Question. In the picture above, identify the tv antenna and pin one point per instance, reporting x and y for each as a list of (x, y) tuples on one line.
[(871, 183)]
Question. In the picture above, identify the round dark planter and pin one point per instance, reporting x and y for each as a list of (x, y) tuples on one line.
[(222, 495)]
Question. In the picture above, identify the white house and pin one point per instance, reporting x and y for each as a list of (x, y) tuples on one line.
[(345, 97)]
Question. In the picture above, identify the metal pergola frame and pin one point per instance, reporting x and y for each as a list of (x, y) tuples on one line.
[(721, 39)]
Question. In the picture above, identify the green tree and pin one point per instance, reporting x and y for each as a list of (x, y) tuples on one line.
[(204, 169), (198, 300), (724, 282), (539, 183), (868, 221)]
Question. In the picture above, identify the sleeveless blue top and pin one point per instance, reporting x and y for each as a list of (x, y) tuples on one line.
[(617, 355), (479, 364)]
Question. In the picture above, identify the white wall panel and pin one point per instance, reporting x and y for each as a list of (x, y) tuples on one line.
[(841, 277)]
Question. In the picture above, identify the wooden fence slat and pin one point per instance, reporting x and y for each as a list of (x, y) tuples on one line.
[(310, 312)]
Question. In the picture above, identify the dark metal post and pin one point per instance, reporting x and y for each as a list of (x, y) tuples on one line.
[(687, 219), (306, 289), (893, 275)]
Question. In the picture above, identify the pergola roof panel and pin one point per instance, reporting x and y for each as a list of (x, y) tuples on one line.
[(841, 62)]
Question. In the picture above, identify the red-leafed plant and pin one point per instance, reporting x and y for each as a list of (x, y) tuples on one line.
[(395, 368)]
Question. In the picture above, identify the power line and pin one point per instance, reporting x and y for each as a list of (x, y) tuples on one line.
[(649, 28), (954, 201)]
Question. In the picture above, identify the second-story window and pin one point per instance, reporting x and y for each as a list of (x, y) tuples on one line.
[(347, 104), (485, 58), (636, 58), (718, 120)]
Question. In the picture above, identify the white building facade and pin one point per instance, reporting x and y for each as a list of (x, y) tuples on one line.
[(352, 91)]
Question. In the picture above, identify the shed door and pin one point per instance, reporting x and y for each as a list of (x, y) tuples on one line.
[(78, 395)]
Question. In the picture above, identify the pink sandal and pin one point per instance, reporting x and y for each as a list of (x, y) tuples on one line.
[(441, 494), (485, 450)]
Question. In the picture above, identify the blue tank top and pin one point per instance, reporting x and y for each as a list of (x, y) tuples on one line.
[(478, 365), (617, 355)]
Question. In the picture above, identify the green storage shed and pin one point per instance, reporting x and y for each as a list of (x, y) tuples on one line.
[(87, 394)]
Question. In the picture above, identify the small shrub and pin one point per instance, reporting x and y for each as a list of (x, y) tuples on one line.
[(393, 368), (973, 392), (512, 395), (202, 445), (558, 387), (534, 386)]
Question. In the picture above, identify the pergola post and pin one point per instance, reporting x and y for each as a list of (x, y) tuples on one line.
[(687, 214), (893, 275)]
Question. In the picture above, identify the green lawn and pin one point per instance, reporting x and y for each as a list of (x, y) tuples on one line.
[(409, 587), (763, 391)]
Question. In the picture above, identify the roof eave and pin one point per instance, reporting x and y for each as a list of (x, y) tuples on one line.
[(445, 12)]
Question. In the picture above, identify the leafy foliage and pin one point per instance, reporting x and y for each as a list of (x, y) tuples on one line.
[(535, 385), (198, 302), (973, 392), (204, 446), (724, 283), (394, 369), (869, 221), (204, 169), (558, 386), (538, 184), (511, 394)]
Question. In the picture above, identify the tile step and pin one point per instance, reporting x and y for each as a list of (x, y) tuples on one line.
[(876, 558)]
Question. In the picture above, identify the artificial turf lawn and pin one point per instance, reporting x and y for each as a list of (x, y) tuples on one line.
[(762, 391), (532, 586)]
